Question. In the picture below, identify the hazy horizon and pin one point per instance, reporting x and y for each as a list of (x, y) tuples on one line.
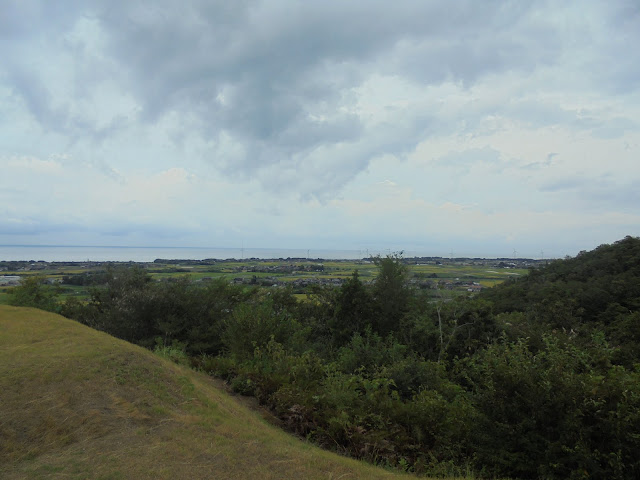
[(150, 253)]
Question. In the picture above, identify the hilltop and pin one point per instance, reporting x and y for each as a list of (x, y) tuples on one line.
[(78, 403)]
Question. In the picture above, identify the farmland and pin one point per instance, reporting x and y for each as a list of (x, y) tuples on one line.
[(458, 275)]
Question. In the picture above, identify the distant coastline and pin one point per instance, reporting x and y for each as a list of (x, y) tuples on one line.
[(81, 253), (84, 253)]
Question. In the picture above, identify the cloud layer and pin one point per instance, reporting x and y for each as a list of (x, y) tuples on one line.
[(427, 125)]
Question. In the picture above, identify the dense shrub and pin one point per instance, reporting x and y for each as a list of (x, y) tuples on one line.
[(563, 412), (34, 291)]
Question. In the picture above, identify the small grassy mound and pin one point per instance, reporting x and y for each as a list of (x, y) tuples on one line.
[(77, 403)]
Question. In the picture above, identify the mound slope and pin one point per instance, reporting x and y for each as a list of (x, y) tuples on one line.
[(77, 403)]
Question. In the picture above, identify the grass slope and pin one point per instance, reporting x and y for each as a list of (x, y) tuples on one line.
[(77, 403)]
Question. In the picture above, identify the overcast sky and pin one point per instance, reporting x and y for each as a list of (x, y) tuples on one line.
[(478, 127)]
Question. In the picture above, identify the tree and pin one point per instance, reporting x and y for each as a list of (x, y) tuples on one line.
[(353, 311), (35, 291), (390, 292), (126, 307)]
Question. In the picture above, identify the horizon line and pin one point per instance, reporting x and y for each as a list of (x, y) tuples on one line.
[(278, 248)]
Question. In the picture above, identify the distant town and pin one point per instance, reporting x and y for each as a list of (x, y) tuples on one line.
[(468, 275)]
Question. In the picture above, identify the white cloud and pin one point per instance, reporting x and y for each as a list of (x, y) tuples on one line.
[(343, 124), (32, 164)]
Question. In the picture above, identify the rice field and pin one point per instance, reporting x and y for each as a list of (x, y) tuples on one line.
[(457, 274)]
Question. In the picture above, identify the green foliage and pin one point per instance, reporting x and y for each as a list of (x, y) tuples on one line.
[(353, 312), (174, 353), (390, 293), (536, 378), (132, 307), (569, 293), (126, 307), (368, 353), (558, 413), (196, 316), (440, 425), (252, 326), (34, 291)]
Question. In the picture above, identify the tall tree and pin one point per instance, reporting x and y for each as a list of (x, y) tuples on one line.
[(391, 292), (354, 310)]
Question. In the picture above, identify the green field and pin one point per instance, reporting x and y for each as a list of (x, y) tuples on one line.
[(455, 276)]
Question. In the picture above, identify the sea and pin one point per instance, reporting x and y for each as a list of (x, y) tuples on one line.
[(59, 253)]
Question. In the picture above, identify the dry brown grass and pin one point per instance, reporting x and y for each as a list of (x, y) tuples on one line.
[(77, 403)]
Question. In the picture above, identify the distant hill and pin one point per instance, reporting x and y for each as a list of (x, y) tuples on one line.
[(78, 403), (596, 291), (609, 274)]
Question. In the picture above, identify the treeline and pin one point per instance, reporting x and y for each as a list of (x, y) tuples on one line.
[(535, 378)]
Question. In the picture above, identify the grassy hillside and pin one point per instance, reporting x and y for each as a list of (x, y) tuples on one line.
[(77, 403)]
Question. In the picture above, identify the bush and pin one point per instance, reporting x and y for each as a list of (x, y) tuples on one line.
[(253, 325), (34, 291), (174, 353), (559, 413)]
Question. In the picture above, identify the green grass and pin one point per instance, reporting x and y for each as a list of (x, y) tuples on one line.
[(80, 404)]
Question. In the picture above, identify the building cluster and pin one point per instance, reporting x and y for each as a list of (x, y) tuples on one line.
[(280, 268)]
